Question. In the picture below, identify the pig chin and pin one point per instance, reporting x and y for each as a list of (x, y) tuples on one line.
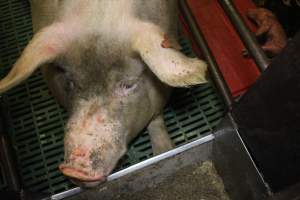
[(85, 175), (82, 178), (88, 167), (88, 170)]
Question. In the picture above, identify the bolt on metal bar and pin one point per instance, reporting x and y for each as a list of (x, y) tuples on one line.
[(246, 35), (208, 56)]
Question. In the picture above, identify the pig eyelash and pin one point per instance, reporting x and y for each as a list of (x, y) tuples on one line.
[(69, 82), (59, 66), (127, 86), (125, 89), (70, 85)]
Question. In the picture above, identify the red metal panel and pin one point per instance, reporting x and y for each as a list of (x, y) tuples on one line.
[(224, 42)]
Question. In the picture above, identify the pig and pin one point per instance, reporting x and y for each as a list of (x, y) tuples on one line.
[(111, 64)]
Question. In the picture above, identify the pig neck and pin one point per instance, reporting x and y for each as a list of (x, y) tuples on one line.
[(99, 16), (112, 20)]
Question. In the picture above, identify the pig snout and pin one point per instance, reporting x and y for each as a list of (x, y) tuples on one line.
[(94, 142), (79, 168)]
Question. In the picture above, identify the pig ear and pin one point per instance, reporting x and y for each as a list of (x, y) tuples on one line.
[(167, 63), (44, 47)]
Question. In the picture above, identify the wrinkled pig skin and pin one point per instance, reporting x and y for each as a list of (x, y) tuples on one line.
[(269, 26), (110, 63)]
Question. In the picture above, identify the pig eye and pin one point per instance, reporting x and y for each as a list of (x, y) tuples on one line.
[(69, 85), (67, 81), (125, 88)]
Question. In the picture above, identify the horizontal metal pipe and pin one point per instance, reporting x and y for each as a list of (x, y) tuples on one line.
[(246, 35), (208, 56)]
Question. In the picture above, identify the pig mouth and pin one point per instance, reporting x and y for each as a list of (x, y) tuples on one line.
[(79, 175)]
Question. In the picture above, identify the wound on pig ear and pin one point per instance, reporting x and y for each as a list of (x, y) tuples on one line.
[(170, 43)]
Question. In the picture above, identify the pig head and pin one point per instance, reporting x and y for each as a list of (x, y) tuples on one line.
[(110, 63)]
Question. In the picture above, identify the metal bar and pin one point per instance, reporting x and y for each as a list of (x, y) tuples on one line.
[(7, 162), (235, 164), (141, 165), (246, 35), (12, 177), (208, 56)]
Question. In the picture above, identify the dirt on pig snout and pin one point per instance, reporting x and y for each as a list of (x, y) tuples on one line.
[(196, 182)]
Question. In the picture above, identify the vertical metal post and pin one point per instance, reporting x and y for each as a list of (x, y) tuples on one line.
[(6, 158), (208, 56), (246, 35), (7, 162)]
